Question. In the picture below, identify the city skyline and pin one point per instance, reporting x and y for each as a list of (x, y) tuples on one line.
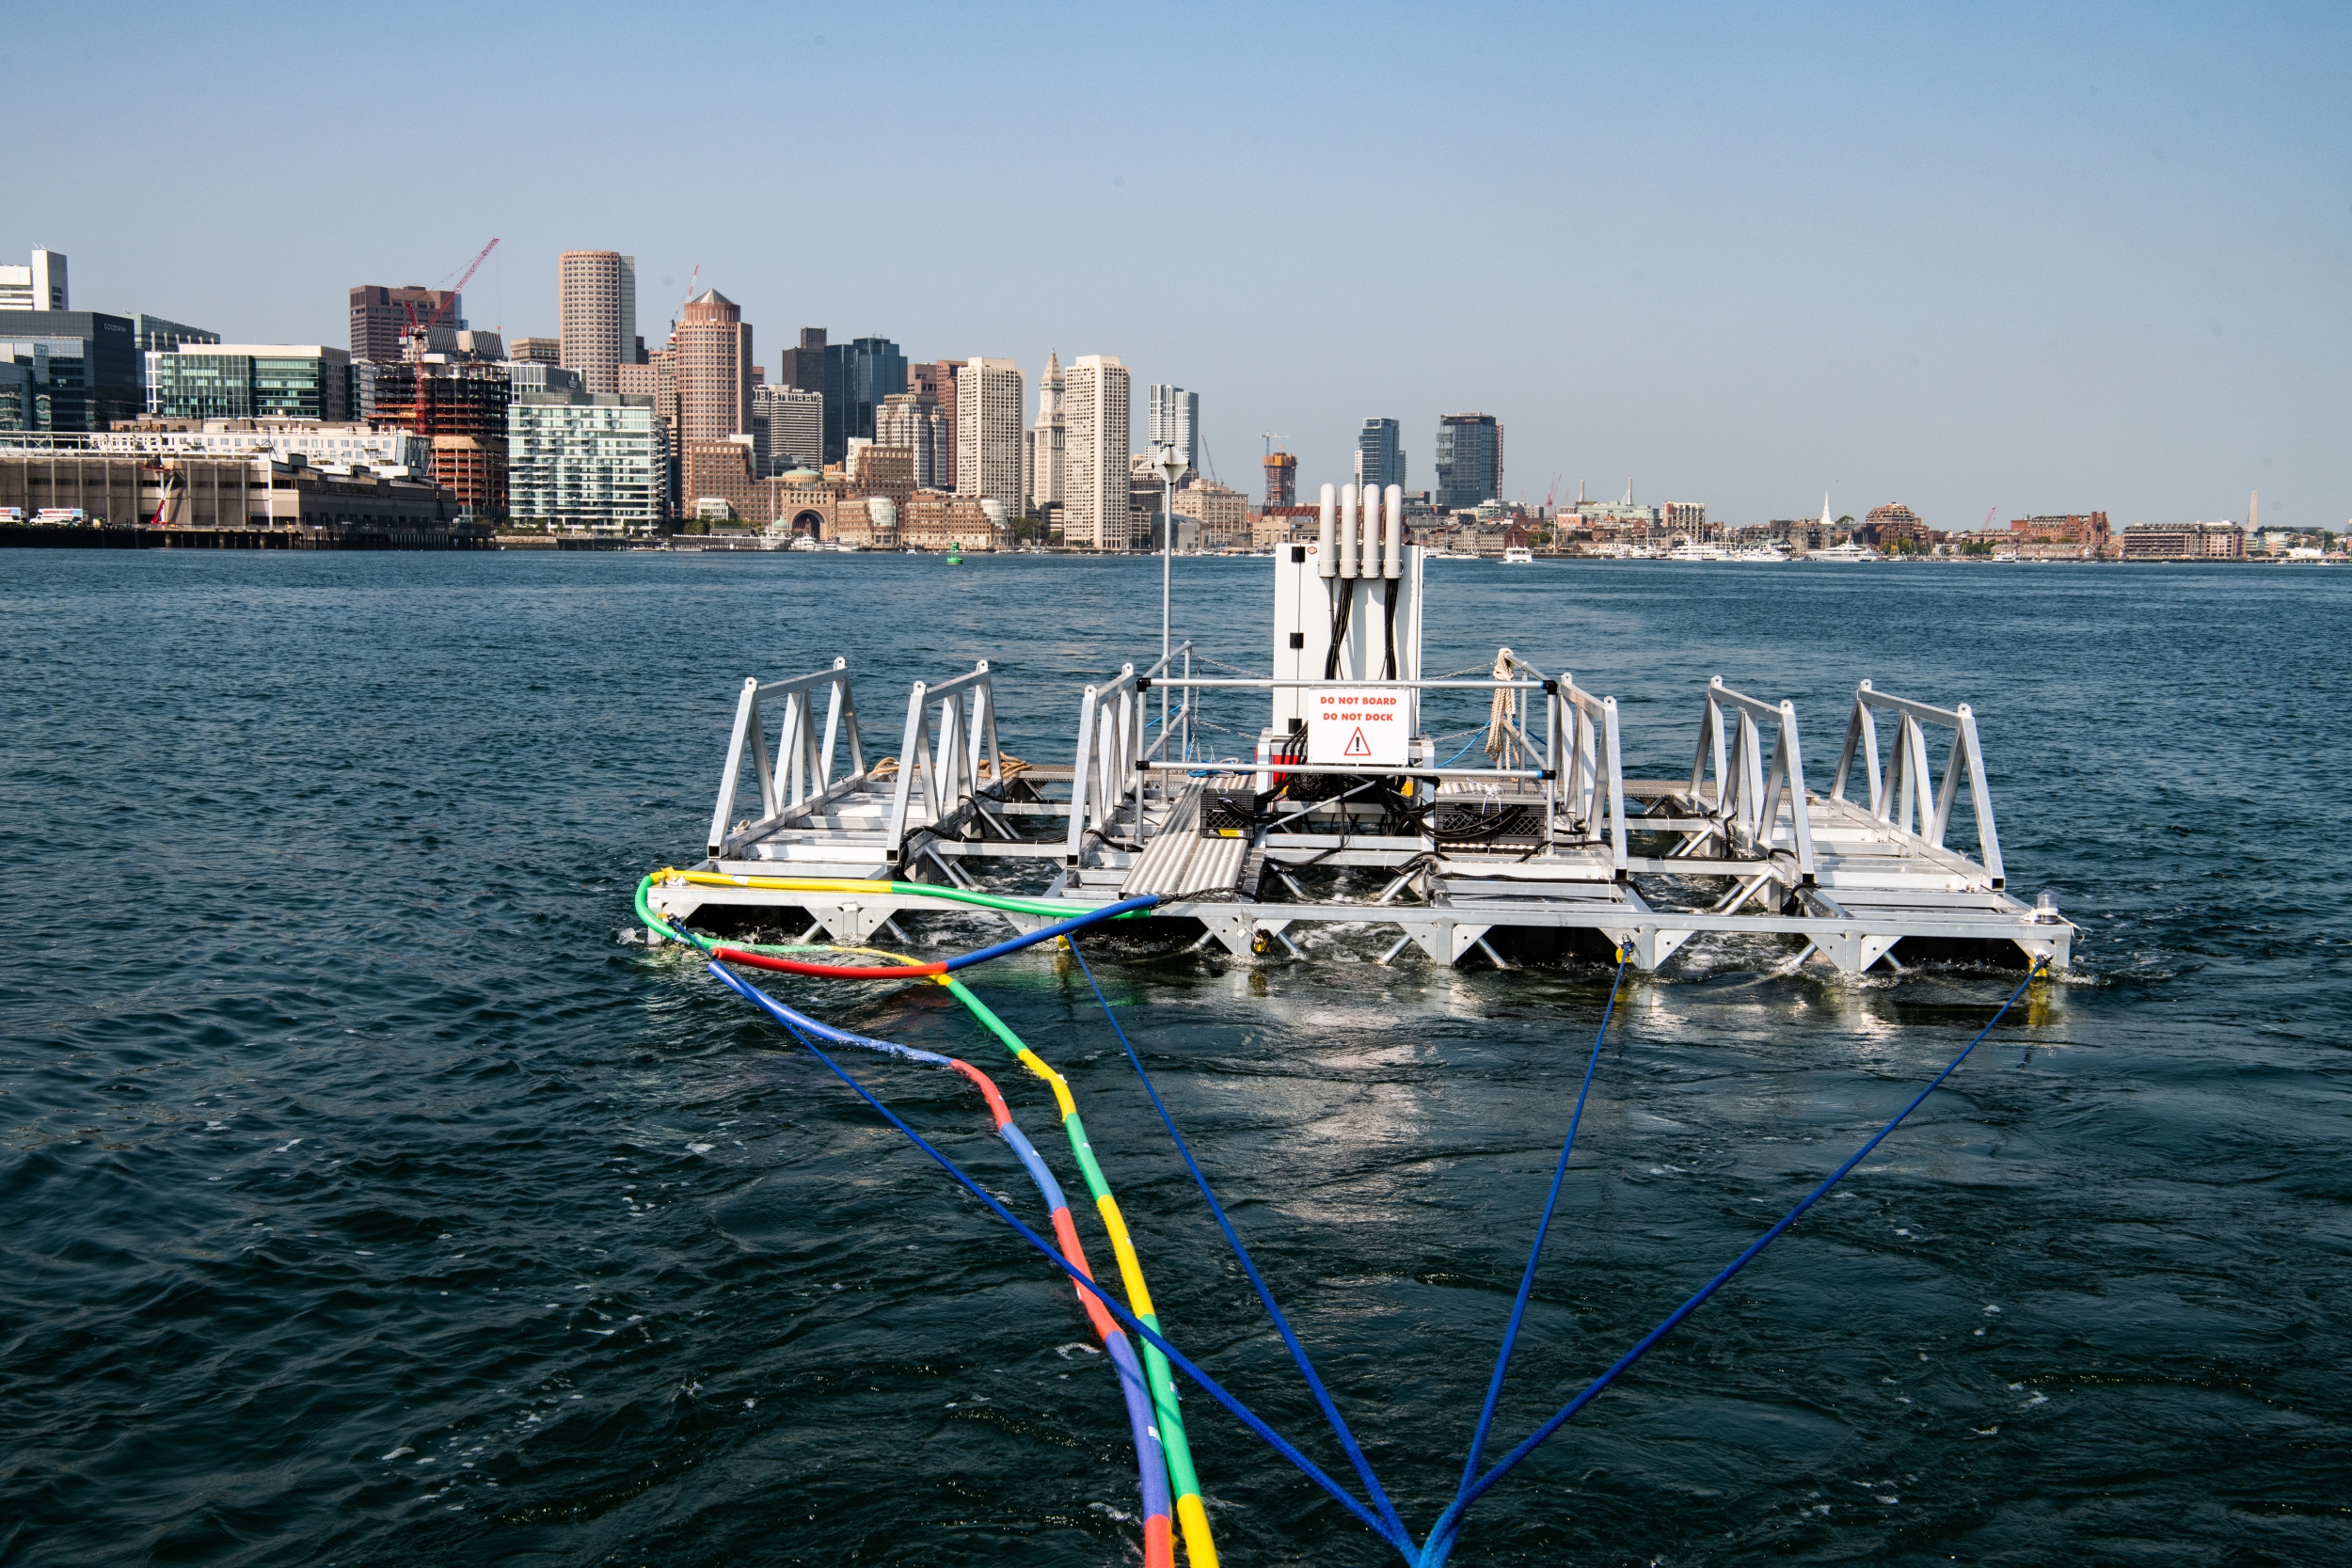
[(2024, 261)]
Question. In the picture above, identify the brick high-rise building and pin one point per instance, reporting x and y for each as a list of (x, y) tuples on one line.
[(936, 379), (380, 318), (596, 311), (990, 403), (1095, 467), (713, 349)]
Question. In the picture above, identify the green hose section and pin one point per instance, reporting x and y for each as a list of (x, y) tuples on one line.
[(997, 902), (1047, 907), (1173, 1443)]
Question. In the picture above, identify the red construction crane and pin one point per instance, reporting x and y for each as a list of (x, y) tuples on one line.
[(426, 330)]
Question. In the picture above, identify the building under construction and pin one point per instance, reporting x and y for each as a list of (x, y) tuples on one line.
[(459, 410), (1282, 479)]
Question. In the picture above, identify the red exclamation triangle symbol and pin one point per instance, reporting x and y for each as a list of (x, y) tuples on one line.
[(1356, 745)]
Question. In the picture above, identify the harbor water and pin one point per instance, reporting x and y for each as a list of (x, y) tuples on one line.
[(376, 1195)]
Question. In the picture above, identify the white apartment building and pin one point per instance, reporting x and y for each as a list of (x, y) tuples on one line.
[(990, 400), (911, 421), (1175, 421), (592, 460), (794, 420), (1094, 464), (38, 287)]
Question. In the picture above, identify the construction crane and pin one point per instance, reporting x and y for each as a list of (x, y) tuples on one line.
[(423, 335)]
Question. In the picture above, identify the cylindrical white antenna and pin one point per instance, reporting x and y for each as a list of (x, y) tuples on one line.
[(1372, 531), (1327, 554), (1393, 559), (1347, 530)]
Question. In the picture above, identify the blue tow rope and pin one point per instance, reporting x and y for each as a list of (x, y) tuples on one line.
[(1434, 1552)]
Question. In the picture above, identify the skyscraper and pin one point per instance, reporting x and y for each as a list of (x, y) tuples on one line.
[(914, 420), (1094, 462), (858, 375), (936, 380), (1379, 459), (380, 318), (38, 287), (1469, 459), (1175, 418), (596, 313), (990, 400), (1047, 439), (714, 370), (796, 426)]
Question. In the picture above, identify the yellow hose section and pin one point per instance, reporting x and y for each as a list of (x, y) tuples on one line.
[(1036, 1063), (781, 884), (1200, 1550), (1192, 1518), (1130, 1266)]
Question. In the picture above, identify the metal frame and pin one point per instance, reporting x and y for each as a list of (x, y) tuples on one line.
[(949, 759), (1892, 795), (798, 777), (1749, 794), (1746, 825)]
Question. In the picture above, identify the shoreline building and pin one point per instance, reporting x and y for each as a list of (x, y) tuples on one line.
[(1379, 454), (2184, 542), (936, 379), (794, 423), (72, 371), (459, 409), (380, 319), (858, 375), (914, 421), (1469, 456), (250, 381), (40, 286), (591, 460), (1095, 469), (595, 298), (712, 353), (1048, 441), (990, 400), (1175, 421)]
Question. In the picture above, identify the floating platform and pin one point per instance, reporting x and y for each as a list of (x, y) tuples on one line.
[(1548, 854)]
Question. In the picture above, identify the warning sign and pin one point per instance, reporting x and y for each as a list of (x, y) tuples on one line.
[(1356, 726)]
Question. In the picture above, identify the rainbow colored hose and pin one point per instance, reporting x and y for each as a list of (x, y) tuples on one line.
[(1167, 1443)]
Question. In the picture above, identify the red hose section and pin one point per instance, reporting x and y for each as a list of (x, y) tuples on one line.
[(1066, 1232), (995, 1108), (830, 972)]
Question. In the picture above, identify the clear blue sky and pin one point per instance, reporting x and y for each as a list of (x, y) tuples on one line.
[(2024, 257)]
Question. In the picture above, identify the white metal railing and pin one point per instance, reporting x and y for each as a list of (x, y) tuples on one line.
[(1110, 743), (950, 758), (1899, 797), (1592, 782), (1750, 792), (798, 776)]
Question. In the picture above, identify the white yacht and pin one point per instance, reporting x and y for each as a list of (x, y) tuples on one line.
[(1695, 551), (1519, 555), (1846, 550)]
